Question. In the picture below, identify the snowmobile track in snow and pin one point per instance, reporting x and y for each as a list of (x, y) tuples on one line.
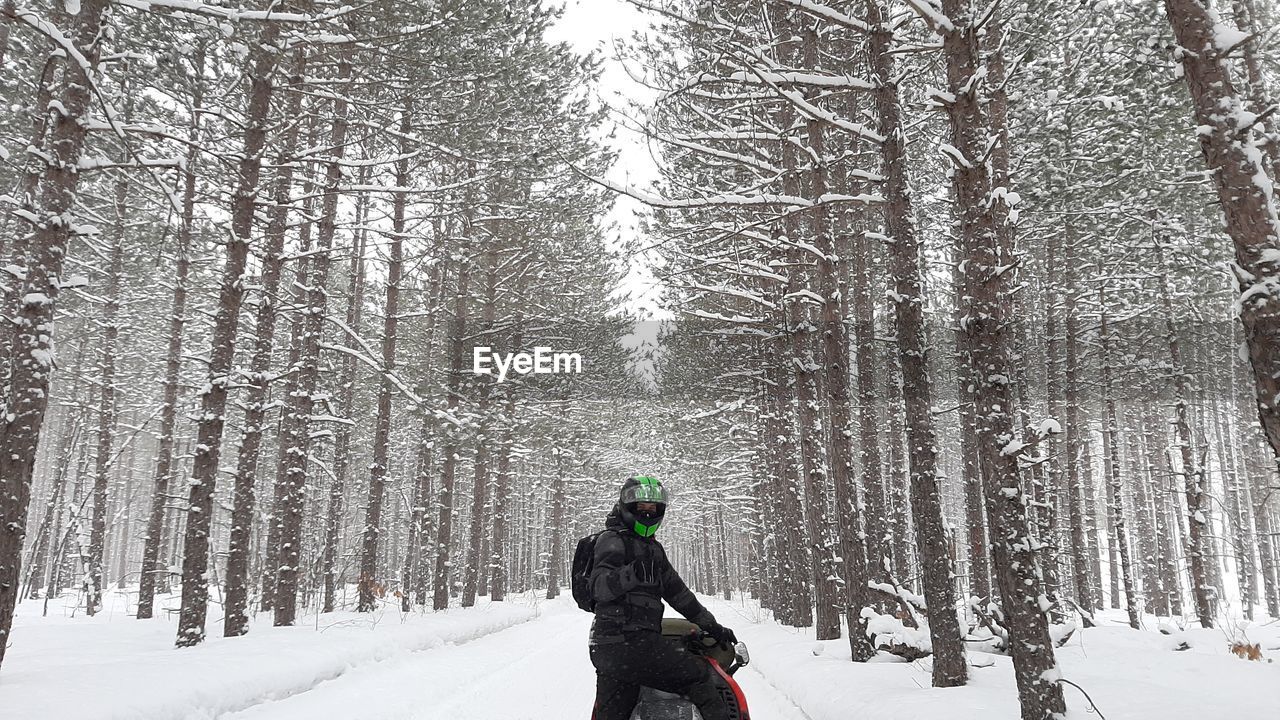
[(536, 670)]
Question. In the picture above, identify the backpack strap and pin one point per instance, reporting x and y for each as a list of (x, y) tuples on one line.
[(628, 549)]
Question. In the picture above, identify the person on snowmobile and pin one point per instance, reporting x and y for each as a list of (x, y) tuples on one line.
[(630, 578)]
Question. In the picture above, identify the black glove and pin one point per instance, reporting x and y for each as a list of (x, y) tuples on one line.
[(637, 573), (721, 634)]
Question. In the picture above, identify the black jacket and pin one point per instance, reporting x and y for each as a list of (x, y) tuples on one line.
[(621, 609)]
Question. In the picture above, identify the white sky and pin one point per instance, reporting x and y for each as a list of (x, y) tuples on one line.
[(590, 25)]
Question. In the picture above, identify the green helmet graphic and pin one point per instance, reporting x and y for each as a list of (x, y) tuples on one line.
[(643, 489)]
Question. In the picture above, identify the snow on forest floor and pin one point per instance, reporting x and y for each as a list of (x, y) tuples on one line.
[(526, 660), (1130, 675), (114, 666)]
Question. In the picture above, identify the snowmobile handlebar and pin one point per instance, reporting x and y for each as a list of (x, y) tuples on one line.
[(702, 643)]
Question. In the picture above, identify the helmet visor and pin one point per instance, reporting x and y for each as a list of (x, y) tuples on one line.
[(647, 490)]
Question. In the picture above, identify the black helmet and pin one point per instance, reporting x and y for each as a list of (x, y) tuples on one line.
[(643, 489)]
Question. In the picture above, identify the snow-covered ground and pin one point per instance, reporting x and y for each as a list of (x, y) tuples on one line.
[(526, 659)]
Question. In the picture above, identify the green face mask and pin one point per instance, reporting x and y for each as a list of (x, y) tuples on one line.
[(646, 530)]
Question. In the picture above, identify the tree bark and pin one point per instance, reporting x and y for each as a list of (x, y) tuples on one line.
[(1111, 443), (988, 252), (382, 425), (103, 460), (213, 401), (949, 665), (152, 563), (1193, 478), (480, 463), (416, 564), (292, 502), (346, 401), (1139, 471), (559, 511), (1245, 194), (444, 526), (1246, 19), (32, 318), (297, 324), (852, 567), (236, 618)]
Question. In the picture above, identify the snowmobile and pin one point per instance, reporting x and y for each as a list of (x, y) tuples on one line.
[(658, 705)]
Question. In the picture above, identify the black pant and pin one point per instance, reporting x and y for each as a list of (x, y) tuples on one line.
[(645, 658)]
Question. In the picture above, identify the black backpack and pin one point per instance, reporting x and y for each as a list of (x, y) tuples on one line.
[(584, 560)]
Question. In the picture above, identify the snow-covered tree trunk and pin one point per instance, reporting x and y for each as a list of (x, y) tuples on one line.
[(1245, 193), (291, 504), (449, 463), (834, 342), (418, 560), (559, 521), (975, 520), (988, 257), (16, 248), (949, 664), (284, 442), (899, 475), (1077, 460), (346, 401), (471, 575), (31, 348), (244, 498), (1193, 479), (213, 397), (1246, 18), (382, 424), (152, 563), (1115, 490), (1145, 541), (103, 458), (503, 481)]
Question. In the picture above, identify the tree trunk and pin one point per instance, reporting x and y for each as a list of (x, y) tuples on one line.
[(382, 426), (297, 323), (346, 401), (1111, 451), (988, 251), (1139, 471), (1055, 479), (480, 463), (1192, 474), (851, 569), (498, 559), (103, 461), (236, 619), (213, 400), (152, 563), (1245, 194), (32, 318), (36, 167), (949, 665), (416, 567), (559, 510), (971, 471), (292, 502), (1246, 19), (444, 526)]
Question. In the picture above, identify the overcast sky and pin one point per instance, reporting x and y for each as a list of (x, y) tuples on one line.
[(595, 25)]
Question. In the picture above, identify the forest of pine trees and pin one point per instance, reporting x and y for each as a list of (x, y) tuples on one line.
[(970, 310)]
